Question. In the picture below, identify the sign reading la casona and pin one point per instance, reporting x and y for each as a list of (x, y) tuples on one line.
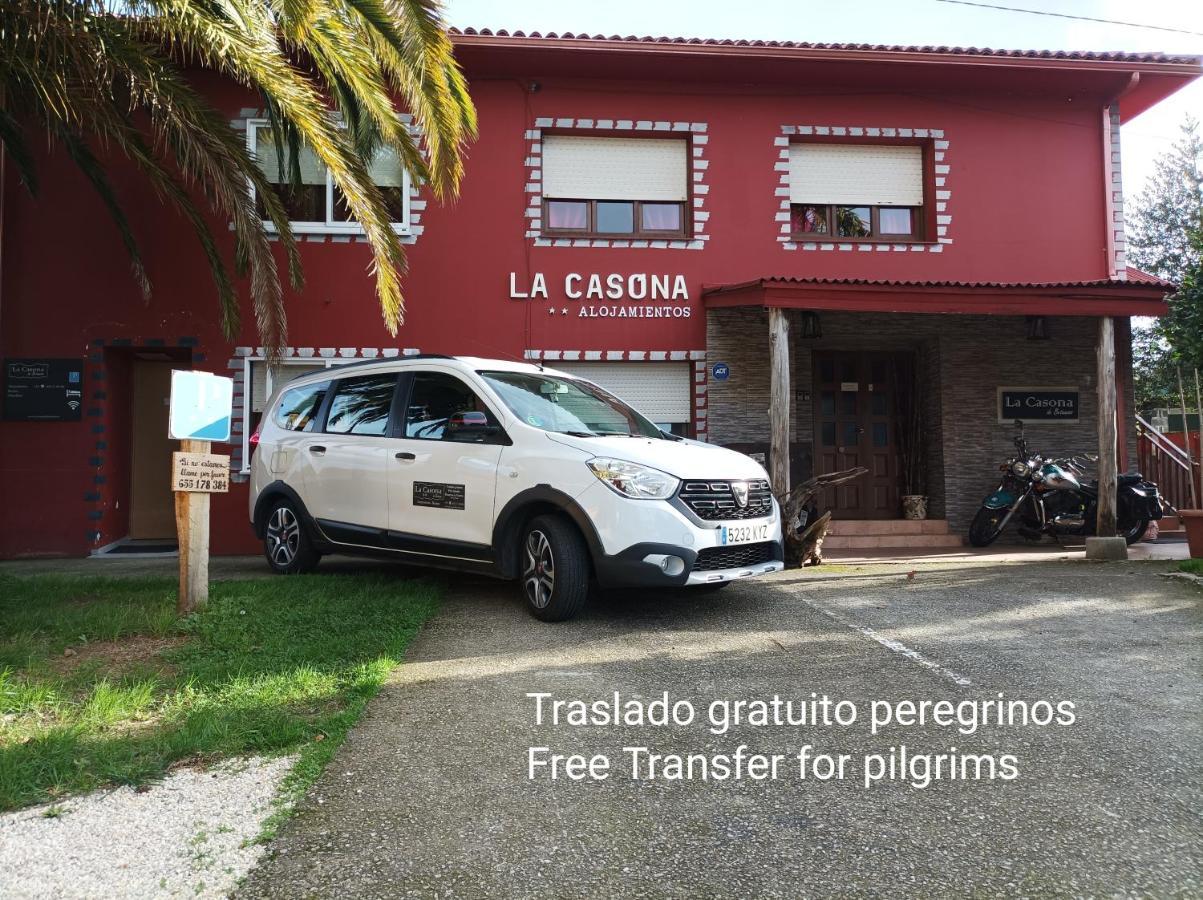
[(637, 295)]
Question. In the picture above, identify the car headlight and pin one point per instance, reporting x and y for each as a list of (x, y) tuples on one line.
[(1020, 468), (633, 480)]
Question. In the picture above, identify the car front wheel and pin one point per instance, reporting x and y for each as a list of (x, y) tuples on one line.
[(286, 545), (555, 569)]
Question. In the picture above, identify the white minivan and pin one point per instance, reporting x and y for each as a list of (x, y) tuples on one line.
[(504, 468)]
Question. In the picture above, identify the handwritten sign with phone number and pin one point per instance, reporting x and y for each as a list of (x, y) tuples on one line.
[(201, 473)]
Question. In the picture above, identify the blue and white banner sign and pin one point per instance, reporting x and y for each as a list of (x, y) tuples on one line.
[(201, 404)]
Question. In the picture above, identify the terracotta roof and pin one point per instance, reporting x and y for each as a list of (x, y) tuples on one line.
[(1143, 280), (1135, 274), (1084, 55)]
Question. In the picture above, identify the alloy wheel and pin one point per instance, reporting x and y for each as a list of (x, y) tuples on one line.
[(283, 536), (538, 574)]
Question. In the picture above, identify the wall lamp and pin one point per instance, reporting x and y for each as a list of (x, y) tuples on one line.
[(811, 328), (1037, 328)]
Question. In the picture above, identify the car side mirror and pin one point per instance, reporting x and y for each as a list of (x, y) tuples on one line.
[(471, 427)]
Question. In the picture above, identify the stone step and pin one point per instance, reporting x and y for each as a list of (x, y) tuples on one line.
[(891, 541), (1169, 524), (862, 527)]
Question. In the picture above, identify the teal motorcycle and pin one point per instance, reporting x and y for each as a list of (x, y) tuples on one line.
[(1052, 497)]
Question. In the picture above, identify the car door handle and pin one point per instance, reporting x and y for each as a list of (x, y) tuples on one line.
[(405, 454), (317, 448)]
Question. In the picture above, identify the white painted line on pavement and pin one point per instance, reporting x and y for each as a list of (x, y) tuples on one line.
[(896, 646)]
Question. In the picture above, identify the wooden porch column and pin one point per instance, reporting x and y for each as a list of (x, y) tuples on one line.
[(779, 400), (1105, 544)]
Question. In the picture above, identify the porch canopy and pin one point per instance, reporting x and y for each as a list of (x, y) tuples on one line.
[(1139, 295)]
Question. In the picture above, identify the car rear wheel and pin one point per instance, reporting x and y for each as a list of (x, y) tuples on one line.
[(288, 549), (555, 569)]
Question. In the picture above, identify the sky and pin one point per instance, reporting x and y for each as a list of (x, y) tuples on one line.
[(895, 22)]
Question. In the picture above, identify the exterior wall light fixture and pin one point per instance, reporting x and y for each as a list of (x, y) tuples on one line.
[(1037, 328), (812, 329)]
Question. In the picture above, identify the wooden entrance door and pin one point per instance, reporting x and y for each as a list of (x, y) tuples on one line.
[(855, 407), (152, 506)]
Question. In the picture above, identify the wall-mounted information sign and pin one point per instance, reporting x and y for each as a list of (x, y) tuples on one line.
[(43, 390)]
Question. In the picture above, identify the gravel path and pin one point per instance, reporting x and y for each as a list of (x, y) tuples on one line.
[(186, 836)]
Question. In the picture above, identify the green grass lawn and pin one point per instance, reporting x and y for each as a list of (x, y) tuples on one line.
[(100, 683), (1194, 566)]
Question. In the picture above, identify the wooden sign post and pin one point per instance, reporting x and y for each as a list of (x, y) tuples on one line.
[(195, 474), (201, 405)]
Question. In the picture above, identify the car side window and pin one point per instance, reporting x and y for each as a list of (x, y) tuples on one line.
[(361, 405), (443, 408), (298, 407)]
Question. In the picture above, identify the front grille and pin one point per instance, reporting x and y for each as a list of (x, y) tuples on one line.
[(715, 500), (714, 558)]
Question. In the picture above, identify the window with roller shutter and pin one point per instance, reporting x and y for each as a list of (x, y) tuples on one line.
[(313, 202), (610, 187), (856, 192), (662, 391)]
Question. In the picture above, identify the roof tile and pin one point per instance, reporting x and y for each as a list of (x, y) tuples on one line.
[(1100, 56)]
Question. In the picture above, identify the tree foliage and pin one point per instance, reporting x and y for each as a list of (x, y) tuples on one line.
[(1166, 238), (1169, 208), (1183, 326), (1155, 372), (98, 74)]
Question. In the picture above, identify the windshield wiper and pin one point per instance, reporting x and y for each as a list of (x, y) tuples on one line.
[(579, 433)]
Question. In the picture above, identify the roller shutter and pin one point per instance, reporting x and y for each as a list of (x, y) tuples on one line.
[(661, 391), (269, 156), (589, 168), (855, 174)]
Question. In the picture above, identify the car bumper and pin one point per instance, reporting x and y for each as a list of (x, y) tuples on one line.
[(721, 575), (686, 551)]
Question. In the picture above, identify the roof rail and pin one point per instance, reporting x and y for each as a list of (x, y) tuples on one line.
[(387, 359)]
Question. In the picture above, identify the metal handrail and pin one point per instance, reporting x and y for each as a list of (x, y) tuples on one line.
[(1176, 453)]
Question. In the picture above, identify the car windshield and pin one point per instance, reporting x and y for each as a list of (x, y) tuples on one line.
[(568, 406)]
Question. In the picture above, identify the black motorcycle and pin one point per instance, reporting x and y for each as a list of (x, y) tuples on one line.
[(1050, 496)]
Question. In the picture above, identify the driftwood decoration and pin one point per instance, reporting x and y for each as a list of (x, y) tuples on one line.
[(805, 547)]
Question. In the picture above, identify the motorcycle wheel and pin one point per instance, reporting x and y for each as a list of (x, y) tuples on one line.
[(1135, 531), (986, 526)]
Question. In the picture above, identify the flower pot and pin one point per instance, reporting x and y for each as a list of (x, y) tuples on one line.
[(1192, 521), (914, 506)]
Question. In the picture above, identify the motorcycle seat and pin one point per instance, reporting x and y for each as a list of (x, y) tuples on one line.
[(1124, 480)]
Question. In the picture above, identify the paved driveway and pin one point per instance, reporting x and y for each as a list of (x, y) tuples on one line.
[(429, 797)]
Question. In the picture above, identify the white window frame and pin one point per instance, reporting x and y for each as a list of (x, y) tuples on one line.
[(331, 362), (330, 226)]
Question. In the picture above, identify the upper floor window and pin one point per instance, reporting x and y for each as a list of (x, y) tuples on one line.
[(856, 192), (317, 205), (615, 187)]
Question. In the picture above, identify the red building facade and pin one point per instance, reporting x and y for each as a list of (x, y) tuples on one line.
[(1016, 235)]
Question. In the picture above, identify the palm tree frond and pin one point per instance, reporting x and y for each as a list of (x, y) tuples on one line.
[(14, 145)]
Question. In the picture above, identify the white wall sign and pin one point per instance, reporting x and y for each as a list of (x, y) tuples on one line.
[(634, 295), (201, 404)]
